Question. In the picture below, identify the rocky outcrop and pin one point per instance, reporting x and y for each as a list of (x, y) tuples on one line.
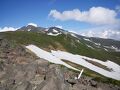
[(20, 69)]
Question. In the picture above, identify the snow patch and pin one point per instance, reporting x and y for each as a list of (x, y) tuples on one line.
[(87, 39), (78, 41), (105, 49), (73, 35), (51, 34), (112, 47), (90, 46), (78, 59), (55, 31), (115, 48), (98, 44), (48, 56), (29, 29), (57, 56)]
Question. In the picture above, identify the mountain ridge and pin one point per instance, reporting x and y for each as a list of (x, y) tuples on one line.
[(64, 42), (106, 43)]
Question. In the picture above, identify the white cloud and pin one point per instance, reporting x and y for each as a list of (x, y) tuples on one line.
[(95, 15), (33, 24), (107, 34), (8, 29), (59, 26)]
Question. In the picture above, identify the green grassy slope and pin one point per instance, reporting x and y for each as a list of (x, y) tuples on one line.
[(63, 42)]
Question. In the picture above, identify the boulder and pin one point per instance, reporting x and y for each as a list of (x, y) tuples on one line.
[(93, 83)]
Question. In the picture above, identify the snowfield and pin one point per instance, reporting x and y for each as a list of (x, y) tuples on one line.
[(57, 56), (48, 56)]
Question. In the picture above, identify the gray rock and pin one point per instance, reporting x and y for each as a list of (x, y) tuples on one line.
[(93, 83), (22, 70), (72, 81), (24, 86)]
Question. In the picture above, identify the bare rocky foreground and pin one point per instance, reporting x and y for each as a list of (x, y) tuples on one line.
[(22, 70)]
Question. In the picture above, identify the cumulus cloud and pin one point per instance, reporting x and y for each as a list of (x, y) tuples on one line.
[(95, 15), (107, 34), (33, 24), (8, 29)]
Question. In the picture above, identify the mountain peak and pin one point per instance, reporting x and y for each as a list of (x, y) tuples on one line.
[(31, 27), (33, 24)]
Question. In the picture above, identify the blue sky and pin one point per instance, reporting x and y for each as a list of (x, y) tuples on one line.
[(17, 13), (20, 12)]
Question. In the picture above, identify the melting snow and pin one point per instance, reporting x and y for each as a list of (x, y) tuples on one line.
[(87, 39), (105, 49), (98, 44), (112, 47), (73, 35), (29, 29), (47, 56), (90, 46), (55, 31), (115, 48), (53, 34), (57, 56)]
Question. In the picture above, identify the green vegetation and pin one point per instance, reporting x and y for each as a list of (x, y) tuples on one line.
[(61, 42)]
